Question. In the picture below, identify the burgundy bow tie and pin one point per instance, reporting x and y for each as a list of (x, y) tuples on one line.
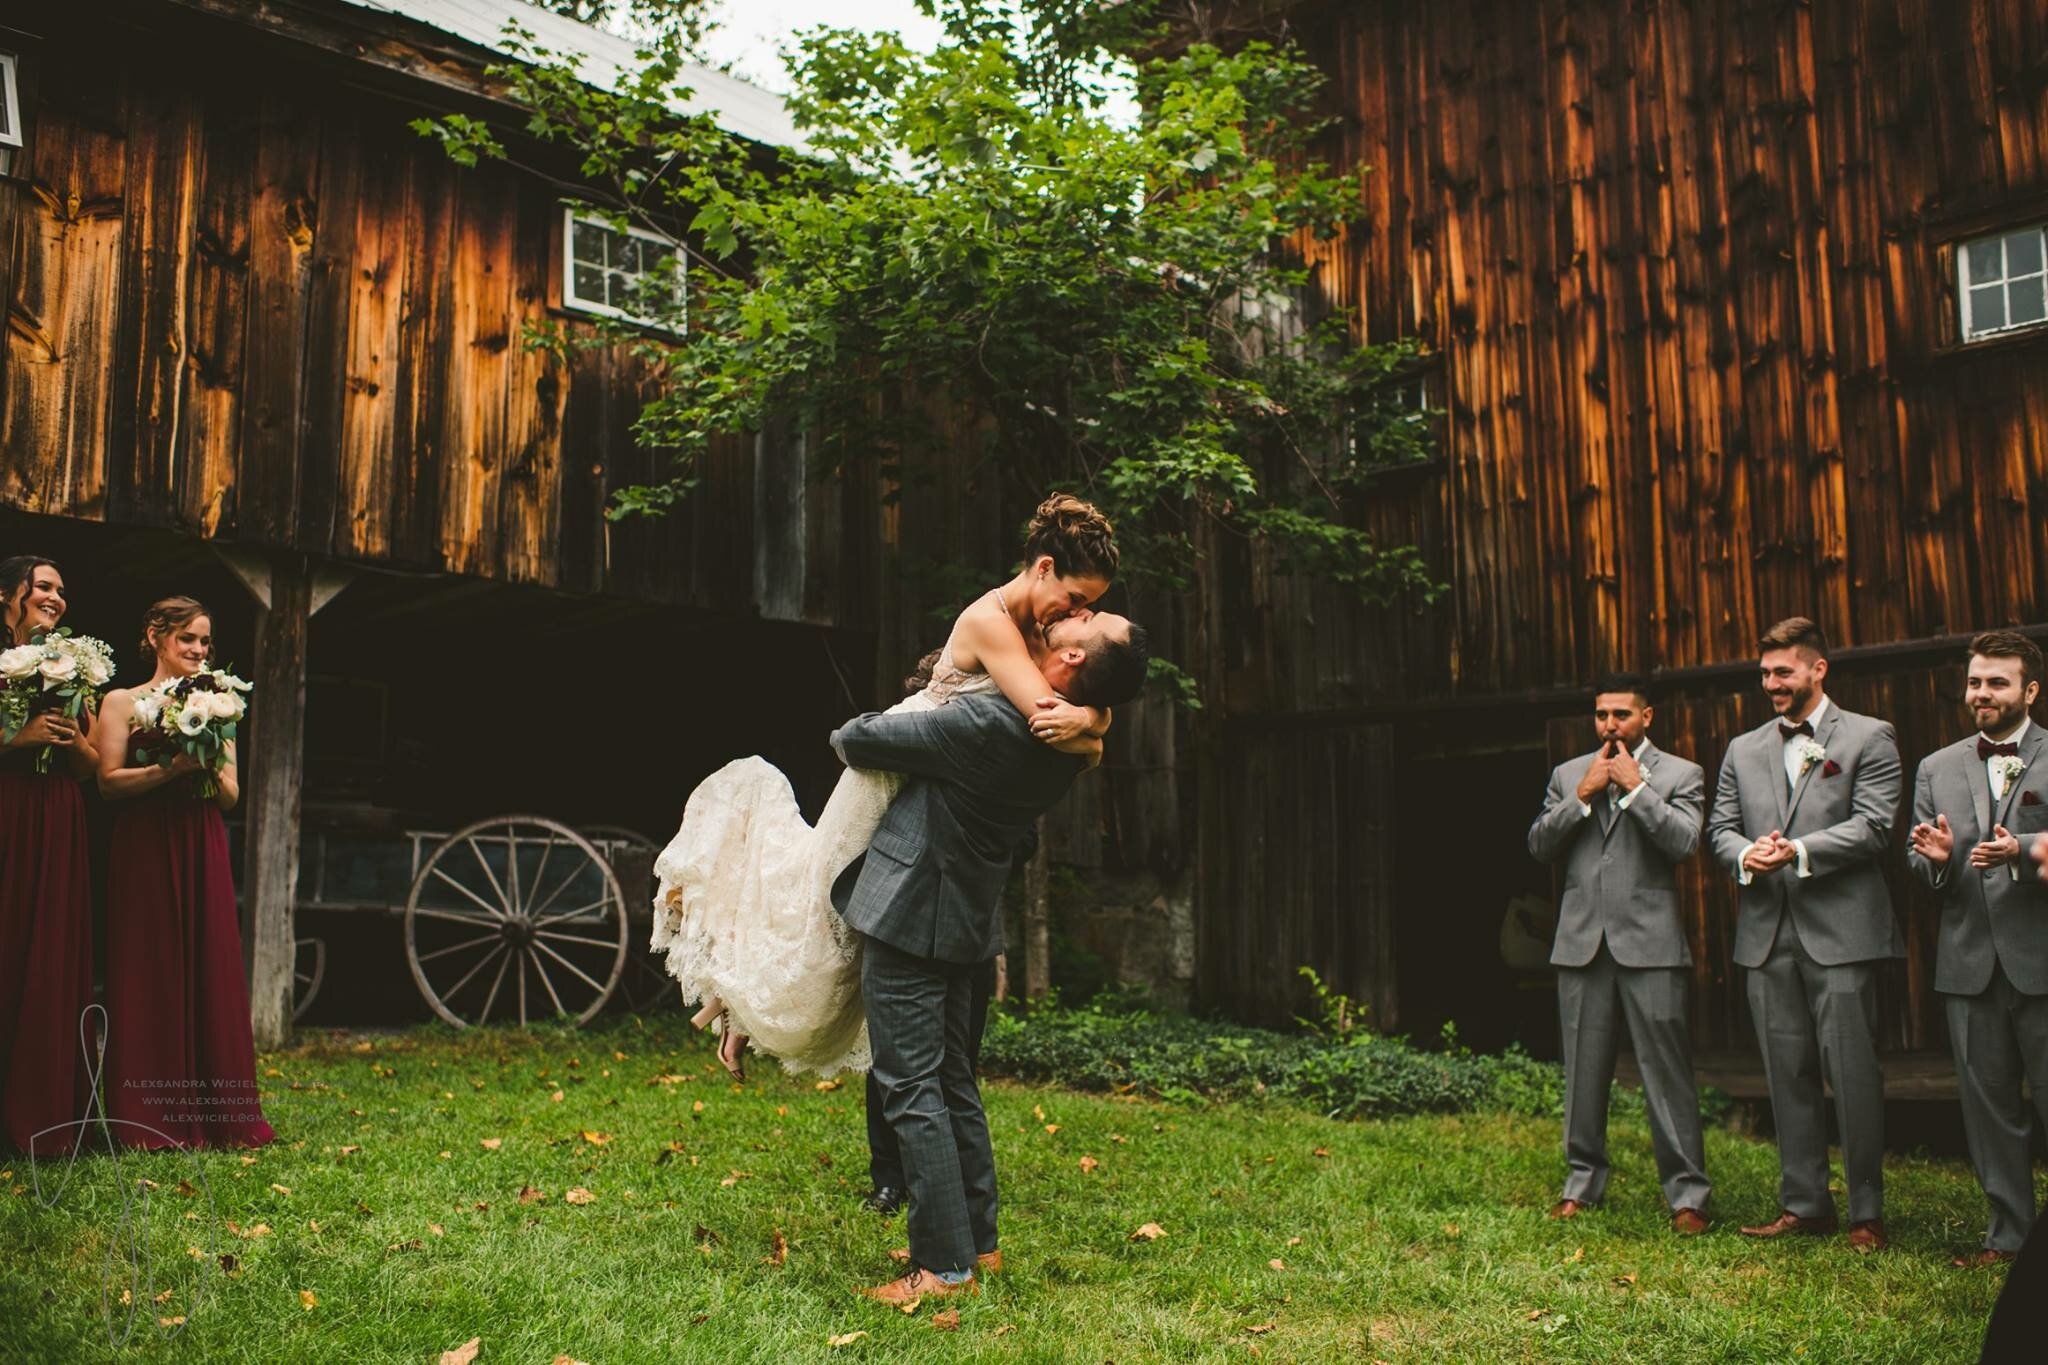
[(1985, 748), (1788, 733)]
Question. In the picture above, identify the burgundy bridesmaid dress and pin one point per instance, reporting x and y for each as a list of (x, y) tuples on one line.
[(45, 955), (180, 1057)]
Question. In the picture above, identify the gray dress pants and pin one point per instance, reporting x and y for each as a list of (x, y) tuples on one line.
[(2001, 1036)]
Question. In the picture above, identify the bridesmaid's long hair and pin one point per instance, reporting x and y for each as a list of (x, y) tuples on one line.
[(168, 614), (15, 573), (1077, 536)]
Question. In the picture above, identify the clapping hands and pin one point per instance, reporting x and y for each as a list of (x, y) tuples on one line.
[(1935, 842), (1769, 853)]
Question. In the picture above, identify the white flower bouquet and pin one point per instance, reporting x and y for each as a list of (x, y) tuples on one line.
[(194, 715), (56, 671)]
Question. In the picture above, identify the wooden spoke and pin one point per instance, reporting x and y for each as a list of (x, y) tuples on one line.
[(496, 982), (560, 887), (571, 914), (594, 985), (558, 936), (488, 909), (540, 968), (522, 988), (481, 963), (490, 876), (459, 917), (458, 947), (540, 872)]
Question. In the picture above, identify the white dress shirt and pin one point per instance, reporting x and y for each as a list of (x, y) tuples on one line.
[(1793, 771), (1991, 763)]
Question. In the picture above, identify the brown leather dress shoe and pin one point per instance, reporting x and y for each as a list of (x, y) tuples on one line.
[(1788, 1222), (1567, 1208), (1977, 1260), (988, 1263), (1869, 1235), (1688, 1222), (918, 1285)]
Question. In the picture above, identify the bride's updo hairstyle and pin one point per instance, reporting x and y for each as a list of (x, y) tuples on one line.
[(1077, 536), (165, 616)]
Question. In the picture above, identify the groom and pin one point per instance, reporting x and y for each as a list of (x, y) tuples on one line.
[(925, 898)]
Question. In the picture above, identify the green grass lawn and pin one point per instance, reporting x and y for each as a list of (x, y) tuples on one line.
[(1287, 1236)]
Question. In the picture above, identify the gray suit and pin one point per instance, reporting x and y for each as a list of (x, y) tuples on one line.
[(1621, 952), (926, 897), (1811, 943), (1991, 966)]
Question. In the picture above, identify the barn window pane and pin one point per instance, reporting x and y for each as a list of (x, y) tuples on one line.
[(2022, 254), (2003, 283), (620, 272), (2025, 302), (10, 101)]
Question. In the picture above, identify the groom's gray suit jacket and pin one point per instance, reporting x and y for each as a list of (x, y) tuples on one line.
[(1619, 864), (1842, 810), (931, 883), (1992, 915)]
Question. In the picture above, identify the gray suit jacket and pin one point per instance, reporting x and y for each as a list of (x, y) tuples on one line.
[(931, 882), (1618, 866), (1842, 810), (1992, 915)]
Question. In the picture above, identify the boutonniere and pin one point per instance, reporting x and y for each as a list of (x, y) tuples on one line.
[(2008, 767), (1810, 753), (1830, 768), (2029, 799)]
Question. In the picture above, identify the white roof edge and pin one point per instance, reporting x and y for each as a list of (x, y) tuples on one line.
[(742, 109)]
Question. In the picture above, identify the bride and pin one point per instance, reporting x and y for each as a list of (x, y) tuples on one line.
[(743, 904)]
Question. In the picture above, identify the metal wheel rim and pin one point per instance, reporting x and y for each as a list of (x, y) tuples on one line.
[(529, 928), (306, 984)]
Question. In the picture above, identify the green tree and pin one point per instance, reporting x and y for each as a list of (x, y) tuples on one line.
[(1112, 302)]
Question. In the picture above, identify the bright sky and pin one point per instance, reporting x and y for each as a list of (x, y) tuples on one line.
[(750, 32)]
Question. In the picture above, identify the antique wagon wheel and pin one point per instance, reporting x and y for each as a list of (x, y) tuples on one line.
[(516, 916), (309, 969), (647, 986)]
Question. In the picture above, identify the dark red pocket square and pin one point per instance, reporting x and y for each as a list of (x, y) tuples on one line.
[(1830, 768), (2029, 799)]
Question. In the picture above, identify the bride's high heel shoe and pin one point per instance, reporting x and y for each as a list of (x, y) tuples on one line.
[(732, 1044)]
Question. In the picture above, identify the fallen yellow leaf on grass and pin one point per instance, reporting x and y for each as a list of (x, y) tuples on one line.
[(824, 1086), (164, 1297), (1321, 1151), (1628, 1279), (1088, 1164), (566, 1360), (579, 1195), (529, 1195), (282, 1190), (1535, 1313), (1260, 1329), (596, 1139), (733, 1179), (260, 1230), (248, 1160), (1576, 1256), (696, 1106), (1450, 1229), (490, 1144), (463, 1354), (948, 1321), (1118, 1138), (178, 1321), (1052, 1127), (556, 1097), (308, 1300), (351, 1150), (1006, 1327), (779, 1252), (1294, 1241), (844, 1339), (1276, 1264), (1150, 1232), (1038, 1112), (437, 1229)]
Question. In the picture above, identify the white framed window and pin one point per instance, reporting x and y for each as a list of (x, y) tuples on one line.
[(10, 100), (609, 270), (2002, 282)]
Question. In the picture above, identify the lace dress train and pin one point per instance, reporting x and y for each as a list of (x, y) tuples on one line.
[(743, 905)]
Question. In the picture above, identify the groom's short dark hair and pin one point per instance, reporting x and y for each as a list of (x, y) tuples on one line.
[(1113, 671), (2010, 644), (1633, 684)]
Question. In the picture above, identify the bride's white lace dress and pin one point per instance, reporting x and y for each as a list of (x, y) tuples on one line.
[(743, 905)]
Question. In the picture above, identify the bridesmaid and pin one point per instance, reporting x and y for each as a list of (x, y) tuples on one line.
[(45, 894), (181, 1066)]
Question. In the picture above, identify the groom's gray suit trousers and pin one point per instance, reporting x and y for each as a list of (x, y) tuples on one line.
[(920, 1013)]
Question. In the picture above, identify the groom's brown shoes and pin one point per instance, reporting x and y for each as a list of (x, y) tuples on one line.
[(1788, 1222), (988, 1263), (919, 1284)]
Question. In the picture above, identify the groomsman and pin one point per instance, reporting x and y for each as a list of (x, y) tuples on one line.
[(1979, 809), (1620, 819), (1802, 816)]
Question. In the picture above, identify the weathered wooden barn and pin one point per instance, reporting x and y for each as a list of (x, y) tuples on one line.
[(1736, 311)]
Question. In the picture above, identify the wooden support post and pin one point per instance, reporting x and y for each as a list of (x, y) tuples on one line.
[(272, 761), (1038, 918)]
